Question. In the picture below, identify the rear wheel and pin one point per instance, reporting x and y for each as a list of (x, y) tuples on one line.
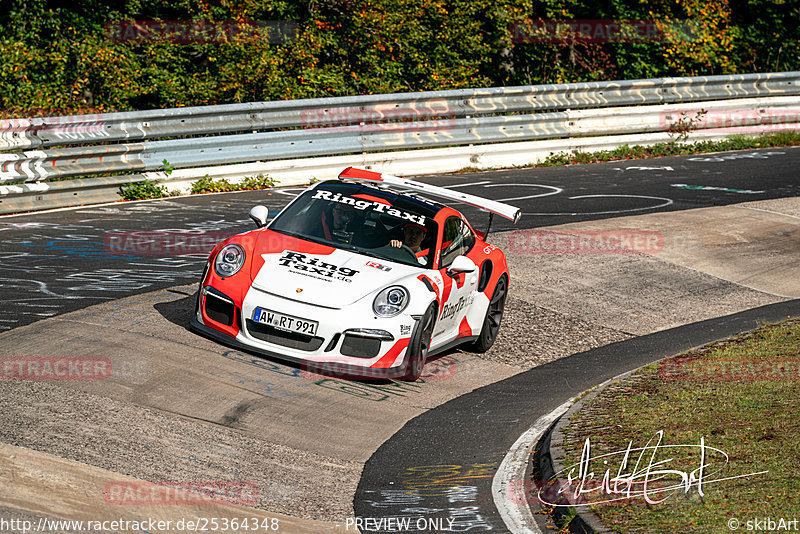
[(494, 314), (419, 345)]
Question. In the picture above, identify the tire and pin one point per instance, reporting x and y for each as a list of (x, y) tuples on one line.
[(494, 315), (419, 345)]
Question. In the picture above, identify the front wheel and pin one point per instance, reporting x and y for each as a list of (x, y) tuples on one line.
[(419, 345), (494, 314)]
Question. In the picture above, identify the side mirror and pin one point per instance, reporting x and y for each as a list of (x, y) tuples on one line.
[(259, 214), (461, 264)]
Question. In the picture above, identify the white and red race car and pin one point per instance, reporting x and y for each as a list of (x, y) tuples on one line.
[(364, 277)]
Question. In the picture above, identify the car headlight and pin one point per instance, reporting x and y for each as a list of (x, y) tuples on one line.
[(229, 260), (390, 301)]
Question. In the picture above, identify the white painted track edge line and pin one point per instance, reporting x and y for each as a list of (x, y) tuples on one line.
[(767, 211), (507, 492)]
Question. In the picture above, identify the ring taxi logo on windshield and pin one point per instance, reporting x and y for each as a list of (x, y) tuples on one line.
[(379, 207)]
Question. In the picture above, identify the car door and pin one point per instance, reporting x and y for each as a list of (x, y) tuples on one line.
[(458, 289)]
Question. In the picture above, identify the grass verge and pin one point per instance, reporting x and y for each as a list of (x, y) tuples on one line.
[(741, 396)]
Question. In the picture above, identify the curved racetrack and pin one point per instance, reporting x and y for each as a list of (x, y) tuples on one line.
[(180, 407)]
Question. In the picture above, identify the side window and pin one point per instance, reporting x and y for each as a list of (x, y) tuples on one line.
[(457, 239)]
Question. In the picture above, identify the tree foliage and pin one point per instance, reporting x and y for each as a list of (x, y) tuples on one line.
[(64, 60)]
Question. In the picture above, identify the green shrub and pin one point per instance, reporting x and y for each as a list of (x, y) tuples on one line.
[(258, 182), (207, 184), (144, 190)]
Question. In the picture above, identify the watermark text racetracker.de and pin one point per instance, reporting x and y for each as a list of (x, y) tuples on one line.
[(185, 32), (694, 369), (158, 243), (733, 121), (422, 116), (175, 242), (55, 368), (586, 242), (180, 493), (441, 368), (600, 31)]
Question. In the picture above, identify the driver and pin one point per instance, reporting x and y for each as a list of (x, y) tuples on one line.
[(413, 235)]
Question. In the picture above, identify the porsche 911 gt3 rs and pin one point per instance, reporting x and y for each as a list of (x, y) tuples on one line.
[(365, 276)]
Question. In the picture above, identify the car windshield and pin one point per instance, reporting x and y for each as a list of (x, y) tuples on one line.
[(375, 223)]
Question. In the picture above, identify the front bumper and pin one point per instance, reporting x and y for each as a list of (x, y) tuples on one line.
[(332, 369), (336, 348)]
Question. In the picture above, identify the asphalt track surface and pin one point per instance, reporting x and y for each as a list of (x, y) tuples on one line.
[(56, 262)]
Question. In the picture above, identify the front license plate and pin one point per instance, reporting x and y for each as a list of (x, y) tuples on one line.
[(289, 323)]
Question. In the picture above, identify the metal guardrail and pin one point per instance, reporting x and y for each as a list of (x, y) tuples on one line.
[(212, 135), (275, 145), (190, 121)]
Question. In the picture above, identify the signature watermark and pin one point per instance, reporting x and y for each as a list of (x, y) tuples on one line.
[(638, 473)]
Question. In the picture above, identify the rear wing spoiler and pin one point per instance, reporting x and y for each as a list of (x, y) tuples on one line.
[(504, 210)]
